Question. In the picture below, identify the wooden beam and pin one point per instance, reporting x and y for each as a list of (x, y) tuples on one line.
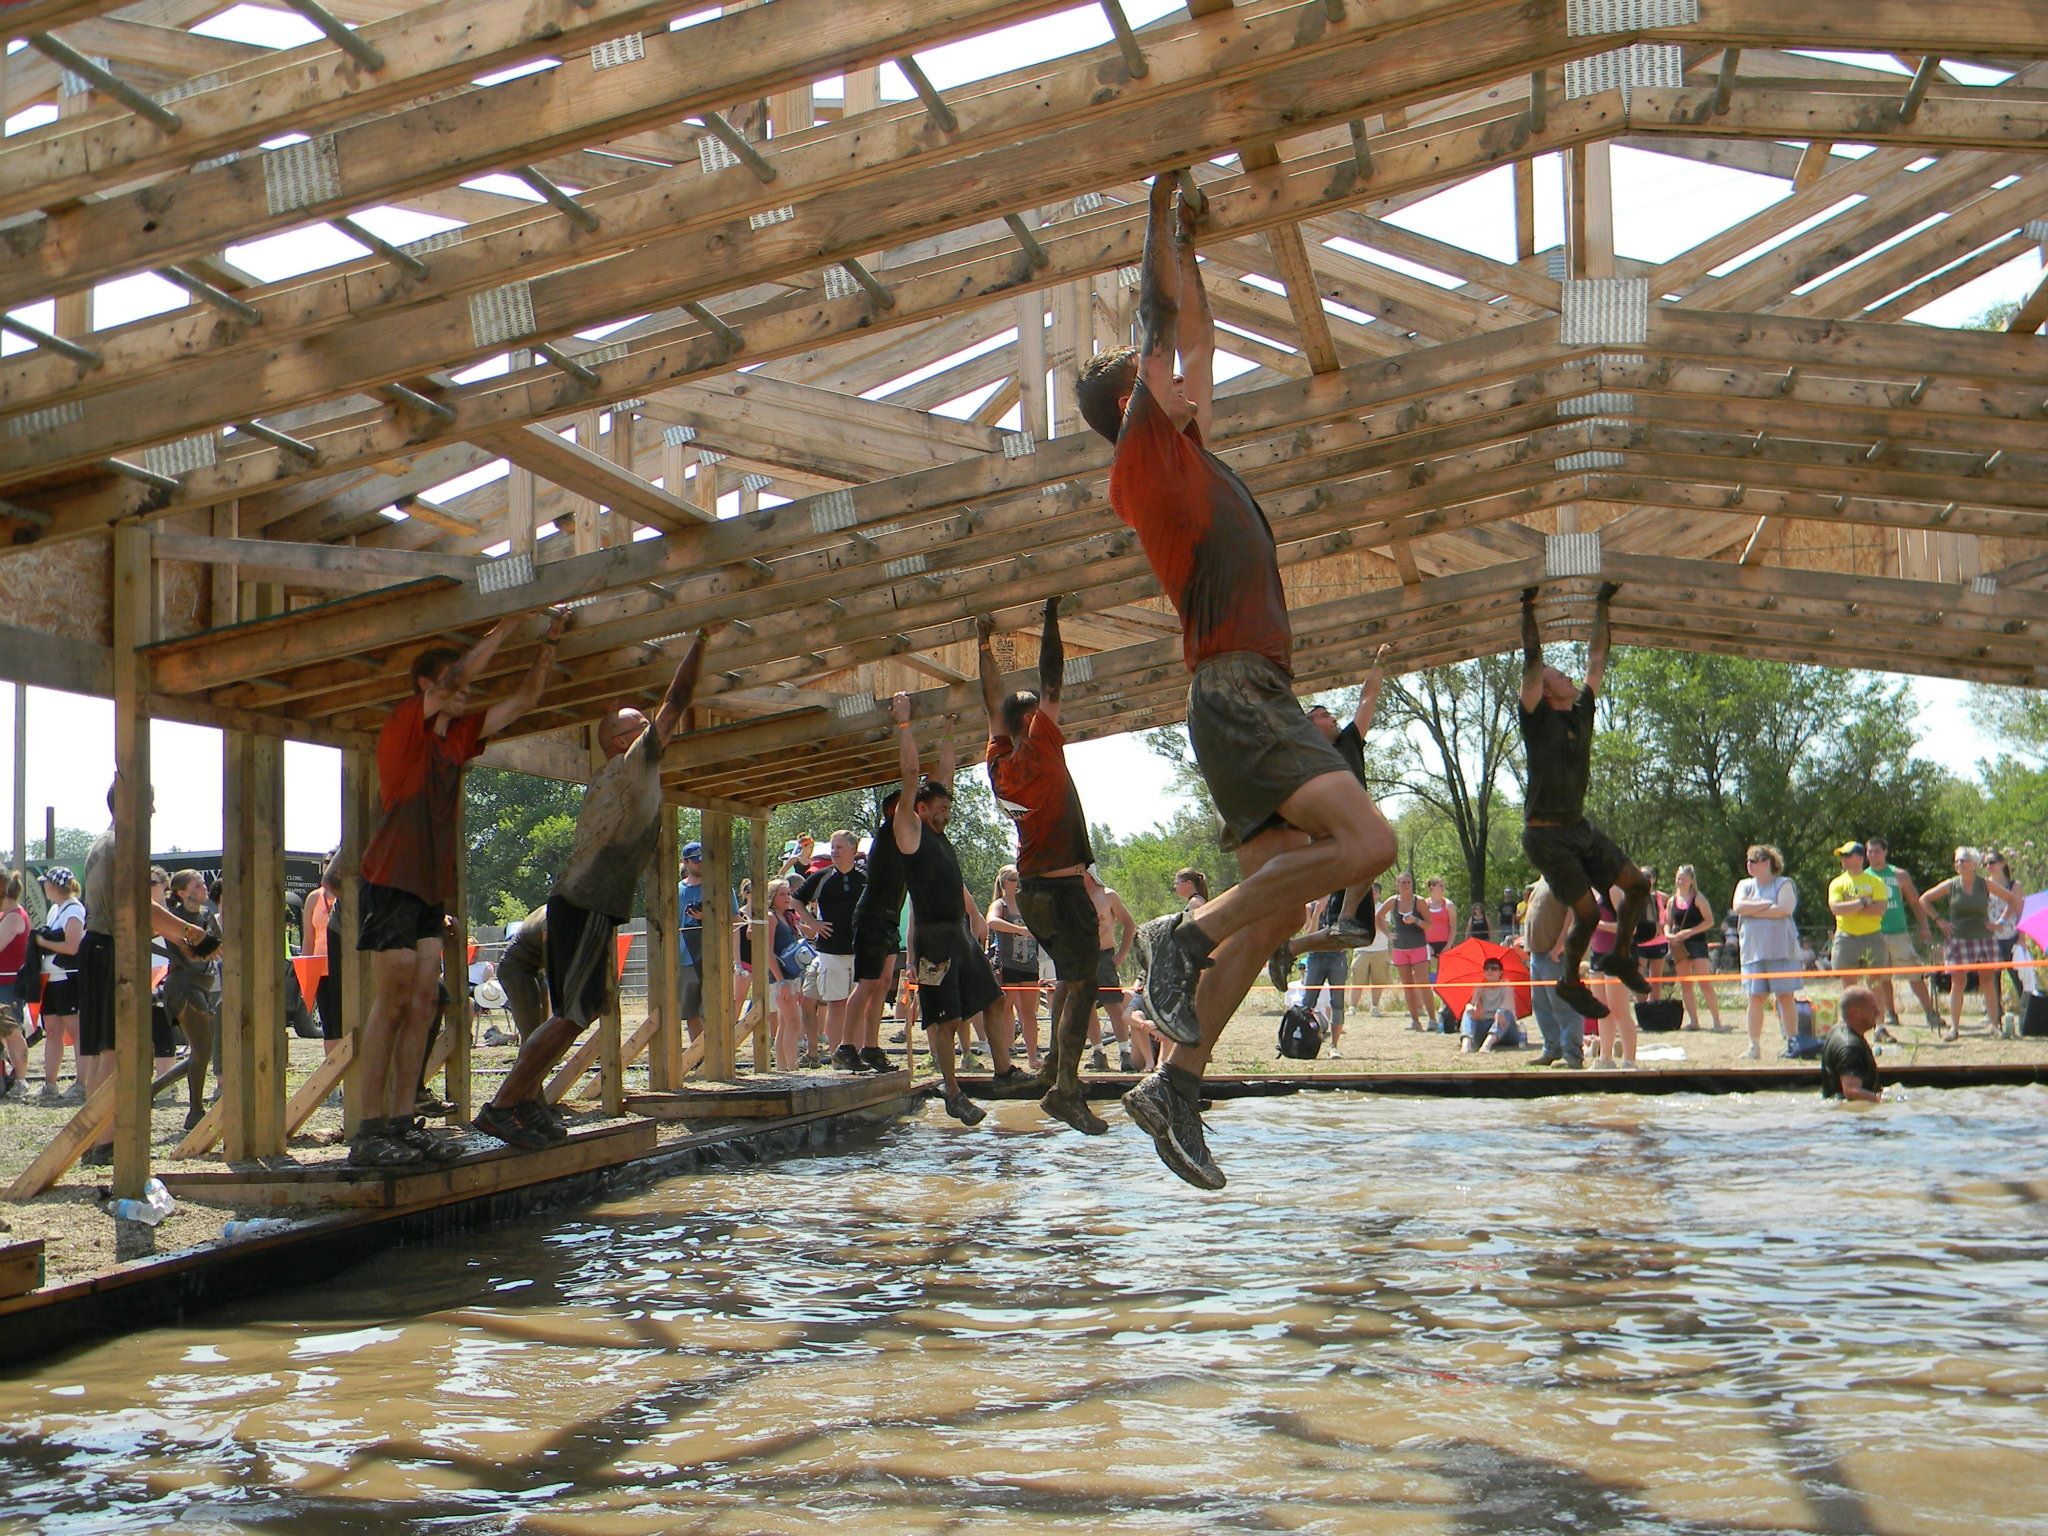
[(719, 954), (581, 469), (665, 1051), (134, 621), (353, 568)]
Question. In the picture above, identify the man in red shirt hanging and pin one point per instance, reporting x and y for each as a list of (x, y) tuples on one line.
[(409, 877), (1300, 821), (1027, 767)]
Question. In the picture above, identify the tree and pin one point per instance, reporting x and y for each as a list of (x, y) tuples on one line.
[(520, 832)]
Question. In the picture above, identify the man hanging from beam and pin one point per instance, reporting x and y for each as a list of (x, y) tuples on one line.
[(1576, 859), (1301, 823), (409, 877), (593, 896), (1027, 767)]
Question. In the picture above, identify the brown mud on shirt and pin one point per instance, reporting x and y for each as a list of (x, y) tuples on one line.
[(615, 831)]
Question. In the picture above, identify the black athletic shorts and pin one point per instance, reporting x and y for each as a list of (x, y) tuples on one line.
[(327, 1002), (1106, 978), (395, 919), (1574, 860), (579, 960), (1062, 919), (954, 980), (1011, 978), (95, 994), (873, 944), (60, 995), (1254, 744), (162, 1040)]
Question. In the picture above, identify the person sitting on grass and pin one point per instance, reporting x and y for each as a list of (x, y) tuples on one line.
[(1489, 1023)]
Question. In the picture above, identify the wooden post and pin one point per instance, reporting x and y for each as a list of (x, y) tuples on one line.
[(351, 966), (456, 1087), (718, 948), (132, 629), (863, 90), (1031, 366), (1525, 209), (1589, 209), (764, 942), (252, 983), (611, 1072), (664, 917)]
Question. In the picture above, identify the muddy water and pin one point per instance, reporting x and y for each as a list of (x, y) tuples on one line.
[(1744, 1314)]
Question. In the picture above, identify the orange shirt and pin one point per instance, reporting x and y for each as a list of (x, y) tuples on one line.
[(419, 779), (1035, 790)]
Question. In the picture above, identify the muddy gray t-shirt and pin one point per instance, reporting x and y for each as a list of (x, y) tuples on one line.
[(98, 889), (615, 831)]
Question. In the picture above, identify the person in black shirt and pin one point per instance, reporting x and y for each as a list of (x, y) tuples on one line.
[(955, 985), (1848, 1069), (1578, 860), (833, 895), (1350, 745)]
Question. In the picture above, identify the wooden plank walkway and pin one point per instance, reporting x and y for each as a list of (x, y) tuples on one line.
[(773, 1097)]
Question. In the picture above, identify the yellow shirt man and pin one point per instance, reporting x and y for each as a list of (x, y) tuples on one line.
[(1860, 886)]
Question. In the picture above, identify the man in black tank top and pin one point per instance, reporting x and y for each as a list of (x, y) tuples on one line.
[(878, 928), (955, 985)]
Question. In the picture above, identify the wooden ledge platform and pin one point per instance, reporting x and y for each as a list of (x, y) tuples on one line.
[(321, 1179), (773, 1097)]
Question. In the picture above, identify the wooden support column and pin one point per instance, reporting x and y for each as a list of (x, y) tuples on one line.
[(223, 582), (456, 1086), (718, 947), (133, 612), (585, 532), (352, 965), (1525, 210), (764, 942), (1069, 326), (1589, 210), (665, 1051), (863, 90), (252, 982), (1031, 366), (611, 1072)]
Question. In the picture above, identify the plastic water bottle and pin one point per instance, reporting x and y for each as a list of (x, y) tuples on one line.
[(156, 1203), (252, 1226)]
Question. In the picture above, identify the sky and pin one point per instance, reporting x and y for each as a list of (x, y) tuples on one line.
[(1662, 205)]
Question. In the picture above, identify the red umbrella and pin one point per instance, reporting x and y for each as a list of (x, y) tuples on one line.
[(1462, 967)]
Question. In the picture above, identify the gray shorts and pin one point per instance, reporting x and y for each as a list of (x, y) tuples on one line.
[(1252, 741), (689, 991), (1899, 950), (1859, 951)]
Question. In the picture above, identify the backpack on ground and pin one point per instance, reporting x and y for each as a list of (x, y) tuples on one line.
[(1662, 1014), (1301, 1034)]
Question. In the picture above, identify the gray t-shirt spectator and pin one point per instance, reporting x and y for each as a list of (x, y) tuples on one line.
[(1769, 938)]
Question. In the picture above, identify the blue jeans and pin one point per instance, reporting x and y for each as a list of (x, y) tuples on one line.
[(1562, 1027), (1331, 968)]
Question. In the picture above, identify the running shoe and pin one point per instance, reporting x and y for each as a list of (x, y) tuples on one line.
[(1623, 969), (1752, 1054), (193, 1116), (432, 1148), (1175, 1125), (1170, 977), (1351, 928), (1012, 1078), (1097, 1061), (535, 1115), (372, 1148), (99, 1157), (845, 1059), (506, 1125), (1573, 993), (875, 1059), (1126, 1062), (429, 1106), (1072, 1109), (964, 1109), (1279, 966), (1546, 1059)]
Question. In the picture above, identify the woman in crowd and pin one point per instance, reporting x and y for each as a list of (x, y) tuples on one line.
[(1688, 920), (1970, 939), (14, 946), (1191, 886), (1653, 944), (1765, 902), (785, 974), (191, 991), (163, 1040), (60, 937), (1016, 962), (2005, 933), (1618, 1029), (1401, 919), (1439, 917), (1476, 926)]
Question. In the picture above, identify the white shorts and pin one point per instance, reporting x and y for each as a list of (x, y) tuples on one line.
[(830, 978), (1045, 972)]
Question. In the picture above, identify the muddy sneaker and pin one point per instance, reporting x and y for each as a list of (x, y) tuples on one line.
[(193, 1116), (1279, 966), (964, 1109), (100, 1156), (1126, 1062), (432, 1148), (506, 1125), (845, 1059), (1573, 994), (538, 1116), (1072, 1109), (1170, 976), (1012, 1081), (875, 1059), (372, 1148), (1351, 928), (429, 1106), (1097, 1061), (1175, 1126), (1623, 969)]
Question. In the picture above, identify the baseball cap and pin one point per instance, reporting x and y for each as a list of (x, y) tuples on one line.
[(693, 850), (58, 874), (1852, 846)]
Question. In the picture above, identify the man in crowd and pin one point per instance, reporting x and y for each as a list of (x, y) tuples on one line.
[(592, 897), (1848, 1067), (955, 985), (409, 877), (1027, 768), (690, 940), (878, 924), (1115, 928), (1350, 919), (1858, 900), (1563, 1028), (1577, 860), (523, 973), (833, 895), (1902, 898), (1300, 822)]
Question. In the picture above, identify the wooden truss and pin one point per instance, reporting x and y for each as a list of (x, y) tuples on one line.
[(723, 285)]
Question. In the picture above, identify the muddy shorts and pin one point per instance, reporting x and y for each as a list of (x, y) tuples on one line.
[(954, 980), (579, 960), (1062, 919), (1252, 741), (395, 919), (1574, 860)]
